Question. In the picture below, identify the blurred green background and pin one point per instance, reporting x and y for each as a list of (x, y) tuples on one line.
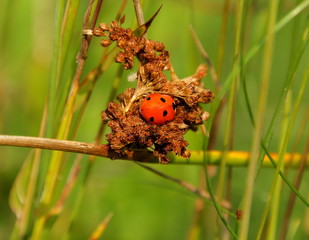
[(144, 206)]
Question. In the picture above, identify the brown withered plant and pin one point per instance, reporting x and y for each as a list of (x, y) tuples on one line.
[(129, 131)]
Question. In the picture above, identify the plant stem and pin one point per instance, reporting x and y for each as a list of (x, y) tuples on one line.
[(253, 163), (31, 188), (234, 158), (139, 12)]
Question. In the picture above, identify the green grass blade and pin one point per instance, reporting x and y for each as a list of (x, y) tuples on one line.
[(255, 49), (227, 141), (287, 86), (274, 194), (265, 149), (287, 132), (216, 205), (274, 122), (253, 162), (55, 73), (64, 22), (18, 194)]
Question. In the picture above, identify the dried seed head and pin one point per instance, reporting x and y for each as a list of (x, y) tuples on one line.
[(128, 128), (98, 32), (104, 27), (205, 115), (105, 42)]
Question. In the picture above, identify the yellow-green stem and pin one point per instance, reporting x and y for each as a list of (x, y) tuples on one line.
[(266, 68), (221, 46), (231, 102), (33, 180), (55, 165), (274, 193)]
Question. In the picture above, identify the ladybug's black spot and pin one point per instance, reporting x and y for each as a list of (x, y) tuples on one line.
[(163, 99), (148, 98), (165, 113), (174, 106), (151, 119)]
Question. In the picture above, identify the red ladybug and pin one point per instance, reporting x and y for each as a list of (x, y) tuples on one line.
[(158, 108)]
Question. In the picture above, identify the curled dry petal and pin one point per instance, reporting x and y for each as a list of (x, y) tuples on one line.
[(105, 42)]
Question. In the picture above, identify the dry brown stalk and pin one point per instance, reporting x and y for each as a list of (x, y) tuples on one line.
[(235, 158), (77, 147)]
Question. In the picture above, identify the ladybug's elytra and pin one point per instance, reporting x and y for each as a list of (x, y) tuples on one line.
[(158, 108)]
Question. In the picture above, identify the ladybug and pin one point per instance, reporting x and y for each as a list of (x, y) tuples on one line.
[(158, 108)]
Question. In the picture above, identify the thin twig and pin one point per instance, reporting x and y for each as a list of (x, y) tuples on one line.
[(199, 192), (217, 118), (139, 12), (67, 189), (95, 15), (87, 23), (205, 56)]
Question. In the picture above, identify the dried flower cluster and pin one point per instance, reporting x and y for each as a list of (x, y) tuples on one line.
[(129, 130)]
